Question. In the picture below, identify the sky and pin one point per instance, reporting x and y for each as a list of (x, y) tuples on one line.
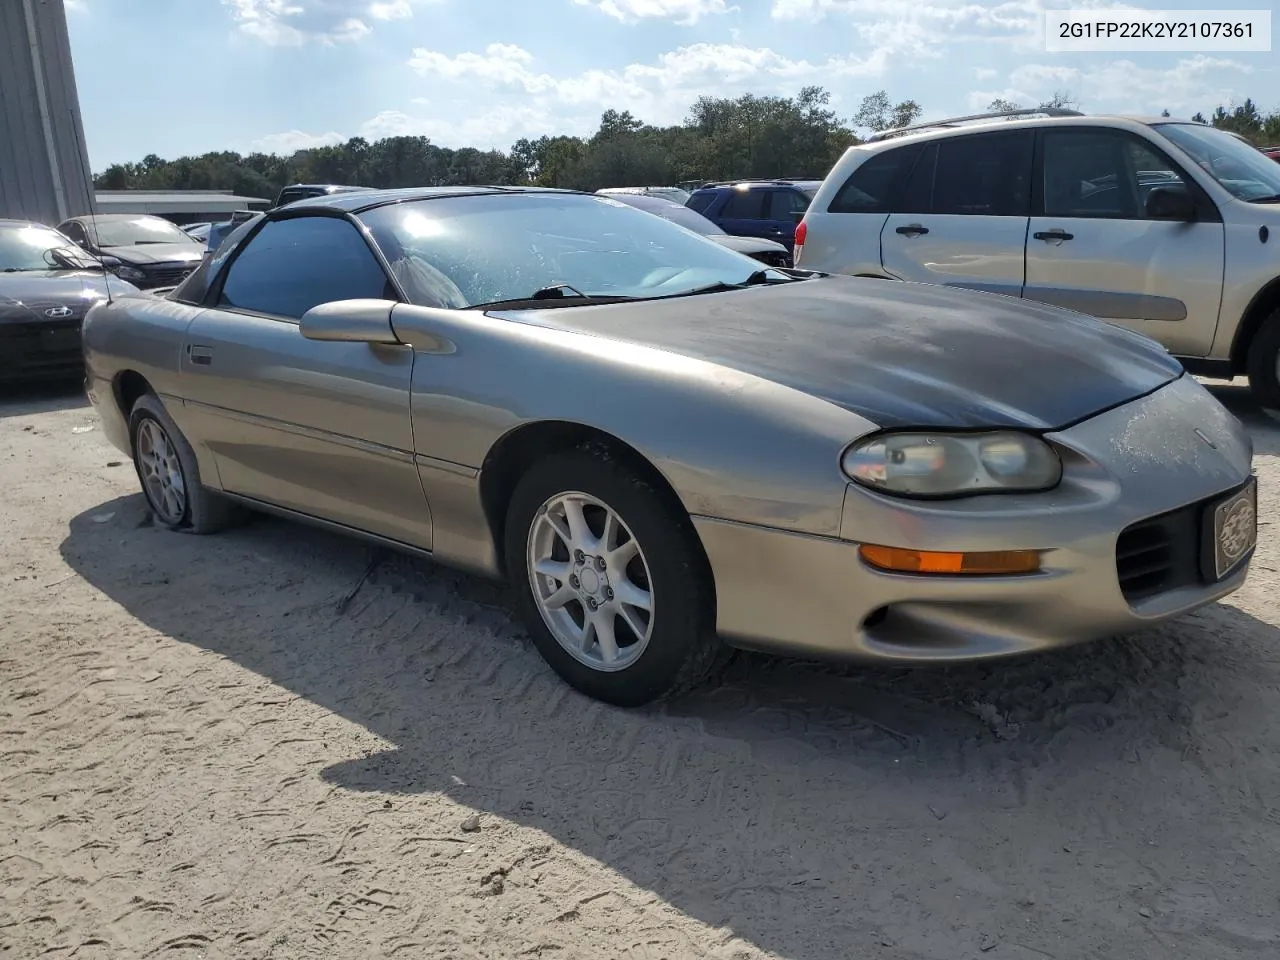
[(183, 77)]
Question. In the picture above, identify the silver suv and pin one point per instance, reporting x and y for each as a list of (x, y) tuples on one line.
[(1167, 227)]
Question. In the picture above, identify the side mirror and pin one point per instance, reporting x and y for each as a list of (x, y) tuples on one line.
[(1171, 203), (350, 321)]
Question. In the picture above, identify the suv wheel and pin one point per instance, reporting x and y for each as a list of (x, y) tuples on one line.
[(1263, 364)]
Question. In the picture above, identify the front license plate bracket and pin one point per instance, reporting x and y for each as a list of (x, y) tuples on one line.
[(1230, 531)]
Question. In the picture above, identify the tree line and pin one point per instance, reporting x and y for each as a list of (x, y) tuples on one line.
[(721, 138)]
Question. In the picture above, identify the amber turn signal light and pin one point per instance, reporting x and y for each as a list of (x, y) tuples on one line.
[(900, 560)]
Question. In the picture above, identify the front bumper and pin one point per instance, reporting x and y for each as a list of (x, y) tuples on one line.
[(813, 596), (114, 425)]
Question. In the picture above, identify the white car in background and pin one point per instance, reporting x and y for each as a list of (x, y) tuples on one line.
[(674, 194), (1170, 228)]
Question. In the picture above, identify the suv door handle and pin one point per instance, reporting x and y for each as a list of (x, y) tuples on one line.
[(200, 355), (912, 230), (1054, 234)]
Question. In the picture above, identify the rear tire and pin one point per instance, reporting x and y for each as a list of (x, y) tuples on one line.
[(1263, 362), (170, 477), (616, 651)]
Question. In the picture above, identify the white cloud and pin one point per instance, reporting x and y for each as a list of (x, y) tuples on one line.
[(1194, 84), (391, 10), (659, 92), (327, 22), (492, 129), (926, 25), (683, 12), (293, 140), (526, 101)]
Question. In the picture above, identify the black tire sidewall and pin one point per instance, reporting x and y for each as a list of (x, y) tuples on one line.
[(680, 583), (1264, 352), (149, 407)]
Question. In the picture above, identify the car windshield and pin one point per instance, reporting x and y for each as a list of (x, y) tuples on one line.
[(29, 248), (127, 233), (473, 250), (1246, 172)]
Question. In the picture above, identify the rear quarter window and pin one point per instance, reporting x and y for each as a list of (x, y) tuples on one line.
[(872, 187), (701, 202)]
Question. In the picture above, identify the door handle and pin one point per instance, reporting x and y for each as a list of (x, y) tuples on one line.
[(200, 355), (912, 230), (1055, 234)]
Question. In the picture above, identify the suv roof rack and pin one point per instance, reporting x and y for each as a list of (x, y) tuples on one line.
[(729, 183), (956, 121)]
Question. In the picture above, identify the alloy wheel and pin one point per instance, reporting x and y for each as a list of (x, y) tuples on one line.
[(590, 581), (161, 472)]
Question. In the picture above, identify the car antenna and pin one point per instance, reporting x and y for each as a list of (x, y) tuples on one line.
[(93, 213)]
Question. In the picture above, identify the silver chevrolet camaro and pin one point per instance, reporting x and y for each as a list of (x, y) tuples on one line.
[(669, 451)]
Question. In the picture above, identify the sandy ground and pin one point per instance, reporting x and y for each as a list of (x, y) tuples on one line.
[(204, 753)]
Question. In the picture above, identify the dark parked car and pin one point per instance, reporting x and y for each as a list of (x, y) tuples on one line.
[(47, 284), (758, 248), (756, 208), (152, 251)]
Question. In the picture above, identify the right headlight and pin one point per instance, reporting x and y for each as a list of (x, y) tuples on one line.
[(952, 464), (126, 272)]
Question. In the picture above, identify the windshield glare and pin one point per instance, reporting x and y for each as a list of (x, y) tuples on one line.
[(1243, 170), (690, 219), (30, 248), (125, 233), (466, 251)]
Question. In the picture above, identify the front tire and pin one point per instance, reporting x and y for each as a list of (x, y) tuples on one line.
[(610, 580), (170, 477), (1263, 363)]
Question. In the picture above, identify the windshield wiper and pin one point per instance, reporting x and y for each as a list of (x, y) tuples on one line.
[(759, 278), (1273, 198), (26, 269), (552, 296)]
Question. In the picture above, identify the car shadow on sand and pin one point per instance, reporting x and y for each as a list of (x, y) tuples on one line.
[(747, 804), (25, 399)]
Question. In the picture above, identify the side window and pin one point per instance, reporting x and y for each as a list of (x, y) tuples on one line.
[(871, 187), (700, 201), (1102, 174), (983, 175), (73, 232), (917, 195), (745, 205), (292, 265), (784, 204)]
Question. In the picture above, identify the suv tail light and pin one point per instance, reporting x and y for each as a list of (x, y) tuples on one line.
[(802, 231)]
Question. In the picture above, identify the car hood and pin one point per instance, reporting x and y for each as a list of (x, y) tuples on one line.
[(748, 244), (25, 295), (900, 354), (148, 253)]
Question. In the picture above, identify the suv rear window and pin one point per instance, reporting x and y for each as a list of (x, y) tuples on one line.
[(701, 201), (871, 188)]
